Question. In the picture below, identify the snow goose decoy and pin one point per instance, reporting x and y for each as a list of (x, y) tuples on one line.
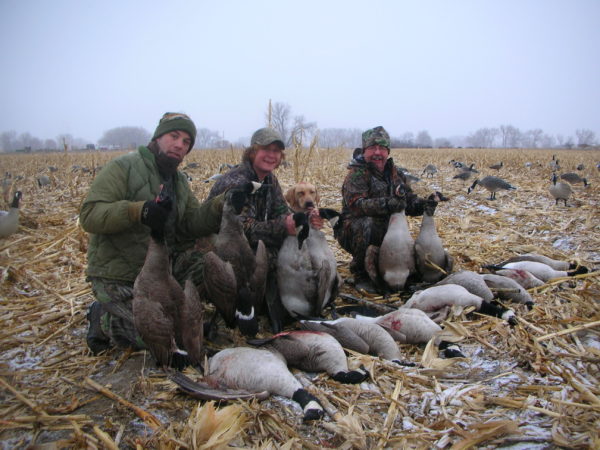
[(432, 260), (9, 220), (508, 289), (313, 351), (234, 276), (492, 185), (559, 190)]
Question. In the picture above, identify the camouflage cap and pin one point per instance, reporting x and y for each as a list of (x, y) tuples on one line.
[(267, 136), (176, 121), (376, 136)]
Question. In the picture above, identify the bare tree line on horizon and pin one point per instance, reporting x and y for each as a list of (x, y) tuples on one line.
[(297, 129)]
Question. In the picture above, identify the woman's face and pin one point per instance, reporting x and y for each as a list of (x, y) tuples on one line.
[(266, 159)]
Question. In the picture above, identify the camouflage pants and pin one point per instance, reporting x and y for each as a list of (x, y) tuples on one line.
[(355, 236), (115, 296)]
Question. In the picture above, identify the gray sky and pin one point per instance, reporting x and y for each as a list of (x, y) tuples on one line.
[(448, 67)]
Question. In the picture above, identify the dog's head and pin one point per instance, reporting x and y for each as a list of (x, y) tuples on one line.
[(302, 196)]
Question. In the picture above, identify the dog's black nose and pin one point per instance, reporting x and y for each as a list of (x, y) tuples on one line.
[(309, 204)]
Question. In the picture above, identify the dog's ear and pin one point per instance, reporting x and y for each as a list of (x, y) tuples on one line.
[(290, 197), (317, 196)]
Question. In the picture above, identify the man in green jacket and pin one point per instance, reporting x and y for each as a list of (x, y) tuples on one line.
[(119, 212)]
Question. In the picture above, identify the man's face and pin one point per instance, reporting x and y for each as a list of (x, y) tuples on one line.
[(376, 154), (175, 144), (267, 158)]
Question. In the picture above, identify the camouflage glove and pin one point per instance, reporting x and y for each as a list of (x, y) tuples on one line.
[(395, 204)]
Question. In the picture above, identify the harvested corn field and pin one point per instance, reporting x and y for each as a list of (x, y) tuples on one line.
[(537, 383)]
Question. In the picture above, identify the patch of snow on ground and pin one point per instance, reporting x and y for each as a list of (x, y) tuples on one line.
[(19, 358), (486, 209), (564, 244)]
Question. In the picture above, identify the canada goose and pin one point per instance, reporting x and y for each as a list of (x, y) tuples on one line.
[(464, 175), (258, 370), (554, 164), (396, 258), (457, 164), (471, 281), (543, 271), (559, 190), (235, 277), (214, 177), (554, 263), (411, 179), (192, 323), (9, 220), (580, 167), (497, 166), (313, 351), (358, 335), (470, 168), (492, 184), (523, 277), (436, 301), (307, 277), (432, 260), (43, 180), (508, 289), (158, 308), (406, 325), (574, 178), (430, 170)]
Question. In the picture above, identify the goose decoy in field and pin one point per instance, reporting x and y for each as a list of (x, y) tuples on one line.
[(580, 167), (508, 289), (429, 171), (258, 370), (497, 166), (396, 256), (432, 261), (559, 190), (457, 164), (9, 220), (234, 276), (464, 175), (554, 164), (574, 178), (307, 270), (540, 270), (554, 263), (358, 335), (158, 307), (43, 180), (492, 184), (313, 351), (192, 165), (471, 281)]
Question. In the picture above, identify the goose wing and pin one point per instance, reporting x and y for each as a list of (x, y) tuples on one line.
[(191, 323), (344, 335), (204, 391), (258, 280), (221, 286), (155, 327)]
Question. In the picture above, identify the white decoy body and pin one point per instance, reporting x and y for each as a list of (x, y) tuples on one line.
[(307, 277), (258, 370), (406, 325), (437, 297), (559, 190), (313, 351), (471, 281), (358, 335), (508, 289), (543, 271), (9, 220), (397, 253), (430, 252)]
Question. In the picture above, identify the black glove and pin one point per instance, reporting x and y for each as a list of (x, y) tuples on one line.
[(155, 214), (237, 196), (395, 204)]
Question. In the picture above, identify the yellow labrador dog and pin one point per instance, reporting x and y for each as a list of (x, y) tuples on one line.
[(306, 269)]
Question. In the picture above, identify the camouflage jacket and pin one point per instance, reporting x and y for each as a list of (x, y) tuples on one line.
[(264, 213), (365, 191)]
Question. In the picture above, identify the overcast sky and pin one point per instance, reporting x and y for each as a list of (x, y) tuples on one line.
[(448, 67)]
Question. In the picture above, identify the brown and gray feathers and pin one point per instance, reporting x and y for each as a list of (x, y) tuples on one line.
[(432, 261), (559, 190), (9, 220)]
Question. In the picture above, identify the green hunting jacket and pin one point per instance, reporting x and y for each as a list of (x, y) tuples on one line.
[(111, 214)]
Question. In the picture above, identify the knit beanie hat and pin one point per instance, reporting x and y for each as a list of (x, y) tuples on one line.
[(376, 136), (176, 121)]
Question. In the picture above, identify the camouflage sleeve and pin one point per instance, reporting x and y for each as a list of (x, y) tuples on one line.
[(355, 193)]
